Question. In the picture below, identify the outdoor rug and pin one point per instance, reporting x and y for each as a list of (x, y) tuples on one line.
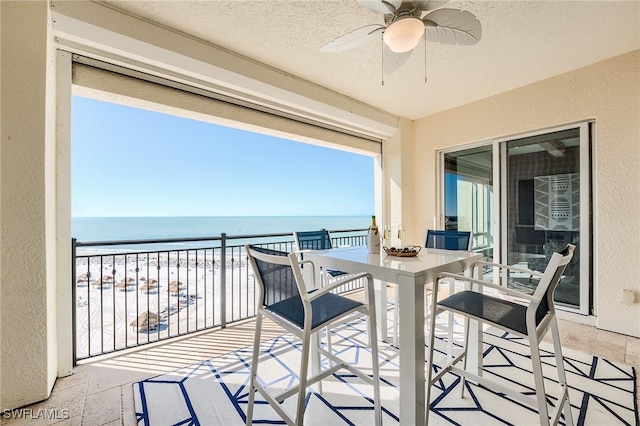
[(214, 392)]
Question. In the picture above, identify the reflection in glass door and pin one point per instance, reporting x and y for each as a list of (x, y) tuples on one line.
[(543, 205), (468, 196), (544, 202)]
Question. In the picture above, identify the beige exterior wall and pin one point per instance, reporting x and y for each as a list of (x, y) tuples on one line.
[(27, 312), (608, 92), (397, 158)]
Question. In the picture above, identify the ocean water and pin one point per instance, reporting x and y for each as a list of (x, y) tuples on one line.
[(87, 229)]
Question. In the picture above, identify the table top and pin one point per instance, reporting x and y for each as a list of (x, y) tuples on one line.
[(424, 266)]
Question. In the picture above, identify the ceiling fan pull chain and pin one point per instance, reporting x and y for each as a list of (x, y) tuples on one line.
[(382, 57), (425, 55)]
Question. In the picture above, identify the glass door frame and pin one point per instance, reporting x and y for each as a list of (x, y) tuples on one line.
[(586, 154), (440, 179)]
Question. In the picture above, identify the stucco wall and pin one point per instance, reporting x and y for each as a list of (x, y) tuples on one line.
[(397, 156), (26, 337), (608, 91)]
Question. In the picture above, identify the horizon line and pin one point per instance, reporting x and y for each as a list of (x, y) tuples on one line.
[(201, 216)]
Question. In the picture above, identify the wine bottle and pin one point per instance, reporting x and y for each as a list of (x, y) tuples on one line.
[(373, 237)]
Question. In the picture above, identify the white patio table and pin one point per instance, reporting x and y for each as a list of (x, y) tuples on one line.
[(410, 274)]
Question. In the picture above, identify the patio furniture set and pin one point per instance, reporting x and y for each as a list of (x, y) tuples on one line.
[(288, 295)]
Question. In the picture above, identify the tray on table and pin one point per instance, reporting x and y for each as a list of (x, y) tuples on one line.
[(407, 251)]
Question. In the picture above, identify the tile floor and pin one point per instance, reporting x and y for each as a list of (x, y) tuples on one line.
[(100, 392)]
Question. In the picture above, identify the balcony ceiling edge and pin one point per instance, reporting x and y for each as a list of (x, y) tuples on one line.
[(104, 33)]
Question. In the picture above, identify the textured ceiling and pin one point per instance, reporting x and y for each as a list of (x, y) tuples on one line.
[(522, 42)]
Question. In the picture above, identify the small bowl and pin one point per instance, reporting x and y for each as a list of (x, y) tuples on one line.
[(408, 251)]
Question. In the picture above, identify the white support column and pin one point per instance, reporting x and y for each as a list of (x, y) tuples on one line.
[(64, 280)]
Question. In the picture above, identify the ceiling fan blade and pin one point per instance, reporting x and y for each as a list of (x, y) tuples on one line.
[(352, 39), (394, 61), (381, 6), (452, 26), (426, 5)]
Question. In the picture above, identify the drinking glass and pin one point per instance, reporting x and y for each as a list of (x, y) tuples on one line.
[(401, 234), (386, 235)]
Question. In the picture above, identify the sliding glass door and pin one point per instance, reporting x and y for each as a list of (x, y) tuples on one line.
[(542, 182), (545, 205), (468, 195)]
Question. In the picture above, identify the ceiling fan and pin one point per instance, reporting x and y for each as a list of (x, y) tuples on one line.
[(405, 22)]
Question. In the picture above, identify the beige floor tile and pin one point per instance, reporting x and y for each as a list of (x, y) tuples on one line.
[(610, 337), (102, 378), (571, 329), (79, 377), (74, 421), (549, 339), (602, 349), (128, 406), (102, 407), (633, 346), (632, 360)]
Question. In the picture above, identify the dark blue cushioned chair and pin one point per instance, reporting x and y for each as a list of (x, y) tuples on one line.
[(448, 240), (526, 315), (284, 298), (316, 240)]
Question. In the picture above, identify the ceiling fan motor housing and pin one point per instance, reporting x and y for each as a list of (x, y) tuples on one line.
[(404, 28), (407, 10)]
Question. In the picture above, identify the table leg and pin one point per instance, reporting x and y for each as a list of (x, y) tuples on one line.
[(314, 358), (412, 351), (380, 296)]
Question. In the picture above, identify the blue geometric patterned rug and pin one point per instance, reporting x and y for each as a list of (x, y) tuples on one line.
[(214, 392)]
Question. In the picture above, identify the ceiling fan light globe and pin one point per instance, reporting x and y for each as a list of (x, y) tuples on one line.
[(403, 34)]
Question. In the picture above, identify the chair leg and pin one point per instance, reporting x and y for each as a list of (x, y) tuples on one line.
[(254, 368), (538, 377), (562, 377), (452, 289), (463, 379), (318, 340), (396, 316), (375, 366), (304, 371)]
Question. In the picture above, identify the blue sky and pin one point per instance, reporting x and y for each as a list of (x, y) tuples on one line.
[(134, 162)]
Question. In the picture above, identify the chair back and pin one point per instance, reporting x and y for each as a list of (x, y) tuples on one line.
[(274, 274), (550, 280), (448, 240), (313, 240)]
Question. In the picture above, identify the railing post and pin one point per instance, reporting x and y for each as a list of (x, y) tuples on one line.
[(73, 298), (223, 279)]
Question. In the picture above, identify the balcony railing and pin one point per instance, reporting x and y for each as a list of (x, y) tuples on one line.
[(134, 292)]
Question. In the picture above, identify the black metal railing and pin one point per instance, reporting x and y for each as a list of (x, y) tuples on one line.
[(133, 292)]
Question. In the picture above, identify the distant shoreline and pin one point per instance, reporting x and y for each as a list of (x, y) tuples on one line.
[(160, 227)]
